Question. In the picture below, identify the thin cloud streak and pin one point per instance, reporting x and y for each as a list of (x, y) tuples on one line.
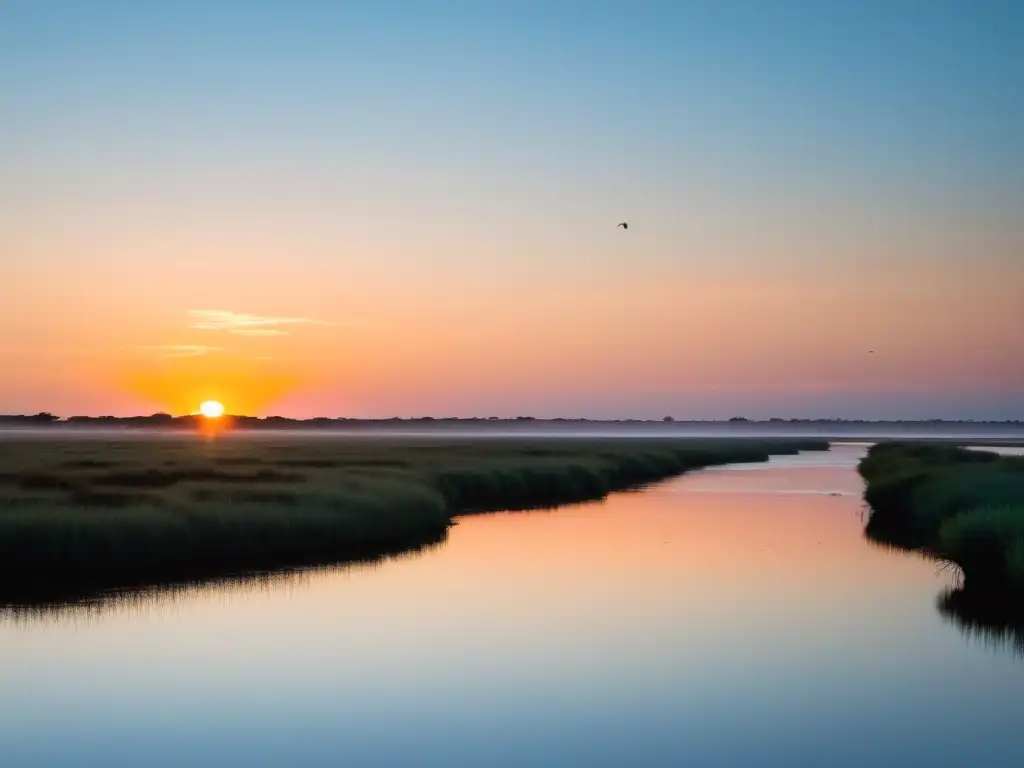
[(184, 350), (258, 332), (245, 324)]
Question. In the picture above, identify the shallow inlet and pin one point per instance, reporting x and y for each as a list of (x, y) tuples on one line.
[(731, 617)]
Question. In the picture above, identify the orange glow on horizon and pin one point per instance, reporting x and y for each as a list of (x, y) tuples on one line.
[(605, 347), (251, 386)]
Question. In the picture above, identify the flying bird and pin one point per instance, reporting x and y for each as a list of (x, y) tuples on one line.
[(624, 225)]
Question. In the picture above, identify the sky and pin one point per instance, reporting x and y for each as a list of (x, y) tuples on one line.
[(377, 209)]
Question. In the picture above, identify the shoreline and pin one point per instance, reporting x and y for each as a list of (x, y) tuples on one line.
[(118, 516), (964, 507), (1008, 436)]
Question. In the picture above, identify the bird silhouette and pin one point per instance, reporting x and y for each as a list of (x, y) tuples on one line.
[(624, 225)]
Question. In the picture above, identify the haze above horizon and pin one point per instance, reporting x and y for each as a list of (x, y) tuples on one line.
[(394, 208)]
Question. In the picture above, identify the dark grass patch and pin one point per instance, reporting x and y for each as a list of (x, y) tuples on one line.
[(988, 545), (376, 463), (265, 497), (41, 481), (266, 476), (87, 464), (309, 463), (344, 463), (22, 502), (88, 497), (282, 498), (156, 478), (149, 478)]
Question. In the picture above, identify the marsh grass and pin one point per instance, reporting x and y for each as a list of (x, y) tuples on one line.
[(90, 514), (988, 543), (962, 506)]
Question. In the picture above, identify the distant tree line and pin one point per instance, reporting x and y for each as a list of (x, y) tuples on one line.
[(39, 418), (283, 422)]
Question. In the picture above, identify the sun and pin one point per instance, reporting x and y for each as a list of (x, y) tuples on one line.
[(211, 409)]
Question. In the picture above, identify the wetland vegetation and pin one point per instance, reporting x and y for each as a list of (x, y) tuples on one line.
[(78, 516), (962, 506)]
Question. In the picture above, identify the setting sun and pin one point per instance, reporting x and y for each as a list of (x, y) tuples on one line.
[(211, 409)]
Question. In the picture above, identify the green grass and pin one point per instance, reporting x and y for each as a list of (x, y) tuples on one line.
[(988, 543), (79, 515), (963, 506)]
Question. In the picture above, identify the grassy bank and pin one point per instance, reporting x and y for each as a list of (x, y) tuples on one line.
[(89, 514), (964, 506)]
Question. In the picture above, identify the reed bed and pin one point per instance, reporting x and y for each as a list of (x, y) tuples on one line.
[(963, 506), (88, 514)]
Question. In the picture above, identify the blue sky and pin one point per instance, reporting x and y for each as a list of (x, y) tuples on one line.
[(415, 153)]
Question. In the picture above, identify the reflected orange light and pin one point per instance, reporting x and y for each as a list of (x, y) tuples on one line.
[(210, 428)]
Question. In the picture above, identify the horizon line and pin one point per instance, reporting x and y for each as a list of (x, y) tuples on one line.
[(46, 417)]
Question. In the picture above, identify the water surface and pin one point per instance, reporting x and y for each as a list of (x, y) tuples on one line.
[(732, 617), (1002, 450)]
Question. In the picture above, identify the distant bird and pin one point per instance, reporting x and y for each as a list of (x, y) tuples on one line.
[(623, 224)]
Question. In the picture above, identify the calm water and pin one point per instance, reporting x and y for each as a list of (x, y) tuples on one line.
[(1004, 450), (734, 617)]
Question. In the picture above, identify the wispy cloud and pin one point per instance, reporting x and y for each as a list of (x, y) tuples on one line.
[(245, 324), (257, 331), (184, 350)]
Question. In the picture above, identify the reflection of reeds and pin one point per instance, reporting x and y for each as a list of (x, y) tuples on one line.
[(80, 516), (997, 619), (65, 604), (962, 506)]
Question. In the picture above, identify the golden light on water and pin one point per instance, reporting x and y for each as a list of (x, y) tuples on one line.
[(211, 409)]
